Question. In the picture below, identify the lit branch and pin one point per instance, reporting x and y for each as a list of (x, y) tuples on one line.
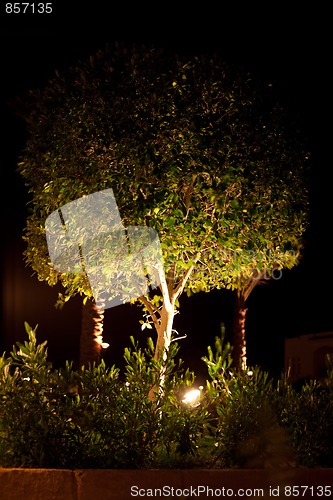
[(171, 278), (251, 283), (180, 287), (165, 292), (151, 310)]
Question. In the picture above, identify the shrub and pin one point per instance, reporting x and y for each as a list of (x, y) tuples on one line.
[(247, 433), (307, 414), (93, 417), (98, 417)]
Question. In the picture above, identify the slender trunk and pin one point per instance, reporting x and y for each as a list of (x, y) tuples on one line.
[(164, 332), (239, 343), (91, 334), (164, 321)]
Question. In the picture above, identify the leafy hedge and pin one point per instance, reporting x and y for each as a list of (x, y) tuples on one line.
[(102, 418)]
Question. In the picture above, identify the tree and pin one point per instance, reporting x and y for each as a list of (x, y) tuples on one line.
[(192, 147)]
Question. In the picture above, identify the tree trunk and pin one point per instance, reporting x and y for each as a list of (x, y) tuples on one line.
[(164, 321), (91, 334), (239, 343), (164, 332)]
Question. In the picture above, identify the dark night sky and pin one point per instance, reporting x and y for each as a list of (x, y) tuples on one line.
[(292, 50)]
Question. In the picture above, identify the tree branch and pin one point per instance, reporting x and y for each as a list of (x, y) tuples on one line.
[(163, 286), (151, 311), (250, 284), (171, 278), (180, 287), (165, 292)]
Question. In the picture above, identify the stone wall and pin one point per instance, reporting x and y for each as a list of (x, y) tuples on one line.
[(58, 484)]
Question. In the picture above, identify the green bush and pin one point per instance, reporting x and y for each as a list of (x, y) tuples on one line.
[(247, 433), (98, 417), (94, 417), (307, 413)]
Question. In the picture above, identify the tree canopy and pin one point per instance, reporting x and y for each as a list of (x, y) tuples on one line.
[(193, 147)]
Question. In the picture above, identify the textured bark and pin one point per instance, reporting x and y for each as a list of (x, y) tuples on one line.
[(91, 334), (239, 343), (163, 321), (164, 333)]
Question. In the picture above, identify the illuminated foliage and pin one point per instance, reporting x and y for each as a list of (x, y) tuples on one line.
[(190, 146)]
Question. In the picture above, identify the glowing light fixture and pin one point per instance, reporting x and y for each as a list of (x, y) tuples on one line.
[(192, 397), (99, 341)]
